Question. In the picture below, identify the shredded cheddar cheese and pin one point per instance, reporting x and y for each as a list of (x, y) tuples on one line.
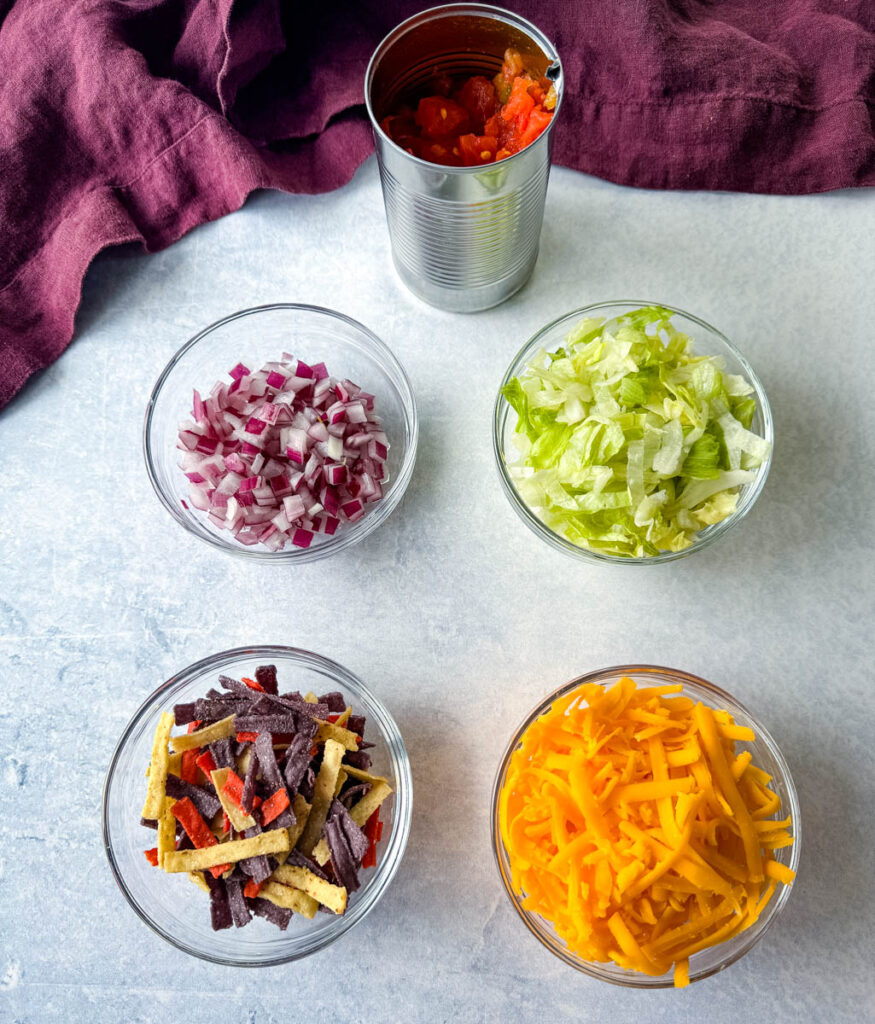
[(631, 824)]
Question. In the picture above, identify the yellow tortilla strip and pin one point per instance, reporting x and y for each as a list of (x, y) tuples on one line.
[(291, 899), (154, 805), (311, 697), (341, 778), (343, 717), (238, 819), (359, 813), (224, 853), (199, 880), (323, 794), (300, 809), (331, 896), (166, 831), (174, 765), (330, 731), (217, 731), (363, 776), (243, 761)]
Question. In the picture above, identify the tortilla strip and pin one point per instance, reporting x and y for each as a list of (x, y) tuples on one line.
[(330, 731), (166, 831), (291, 899), (153, 808), (300, 809), (226, 853), (221, 730), (343, 717), (238, 819), (341, 778), (199, 880), (359, 812), (363, 776), (311, 697), (331, 896), (323, 794), (243, 761), (174, 765)]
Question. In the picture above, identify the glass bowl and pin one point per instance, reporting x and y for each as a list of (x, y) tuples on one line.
[(707, 340), (256, 336), (177, 910), (766, 755)]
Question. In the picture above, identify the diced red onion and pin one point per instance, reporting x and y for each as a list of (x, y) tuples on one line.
[(283, 453)]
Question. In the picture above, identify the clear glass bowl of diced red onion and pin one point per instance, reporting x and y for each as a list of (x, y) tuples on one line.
[(180, 912), (283, 432)]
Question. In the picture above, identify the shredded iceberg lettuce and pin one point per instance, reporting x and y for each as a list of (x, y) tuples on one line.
[(629, 443)]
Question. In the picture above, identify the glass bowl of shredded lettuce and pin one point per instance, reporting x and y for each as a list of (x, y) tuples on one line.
[(631, 432)]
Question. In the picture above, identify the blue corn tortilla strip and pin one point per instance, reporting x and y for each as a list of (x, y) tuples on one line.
[(248, 794), (297, 760), (280, 916), (295, 702), (262, 704), (301, 860), (347, 843), (183, 714), (214, 710), (355, 837), (266, 723), (240, 914), (205, 800), (220, 910), (258, 868), (352, 794), (356, 724), (307, 785), (335, 700), (149, 822), (222, 753), (358, 759), (265, 676), (285, 819), (270, 771), (342, 860), (236, 687)]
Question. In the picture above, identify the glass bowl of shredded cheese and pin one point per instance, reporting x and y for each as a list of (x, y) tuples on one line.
[(645, 826), (631, 432)]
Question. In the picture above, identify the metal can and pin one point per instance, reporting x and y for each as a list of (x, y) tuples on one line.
[(463, 238)]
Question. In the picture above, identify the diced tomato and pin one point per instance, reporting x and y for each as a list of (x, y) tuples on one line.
[(520, 103), (471, 122), (538, 121), (442, 151), (477, 149), (478, 97), (493, 126), (439, 117)]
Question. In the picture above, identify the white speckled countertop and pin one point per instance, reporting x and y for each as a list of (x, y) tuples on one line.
[(457, 616)]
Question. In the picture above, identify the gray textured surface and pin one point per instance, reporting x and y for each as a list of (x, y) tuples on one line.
[(456, 615)]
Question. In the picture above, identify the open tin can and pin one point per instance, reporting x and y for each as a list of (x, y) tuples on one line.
[(463, 238)]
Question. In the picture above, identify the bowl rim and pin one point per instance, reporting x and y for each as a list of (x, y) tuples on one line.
[(718, 697), (373, 889), (353, 533), (705, 537), (449, 10)]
